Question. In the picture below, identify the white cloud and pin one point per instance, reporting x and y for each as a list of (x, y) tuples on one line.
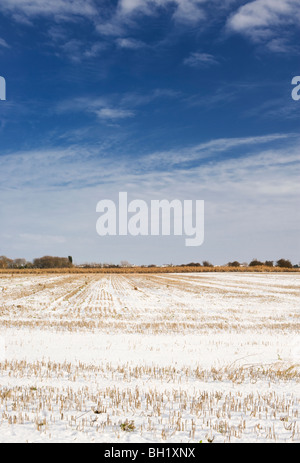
[(130, 43), (266, 20), (115, 106), (263, 21), (77, 50), (103, 108), (128, 6), (114, 114), (200, 60), (189, 11), (185, 10), (111, 28), (3, 43), (23, 10), (281, 45), (125, 16)]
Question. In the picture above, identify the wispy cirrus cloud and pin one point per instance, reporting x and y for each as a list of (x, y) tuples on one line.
[(197, 59), (77, 50), (282, 45), (130, 43), (212, 150), (3, 43), (257, 190), (278, 108), (103, 108), (114, 113), (80, 167), (64, 10), (183, 10), (184, 13), (136, 99), (115, 107)]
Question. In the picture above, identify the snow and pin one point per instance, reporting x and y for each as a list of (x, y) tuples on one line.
[(186, 358)]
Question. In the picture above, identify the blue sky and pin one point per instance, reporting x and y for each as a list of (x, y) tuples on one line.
[(163, 99)]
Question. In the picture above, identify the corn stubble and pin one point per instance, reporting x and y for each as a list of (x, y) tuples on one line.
[(159, 358)]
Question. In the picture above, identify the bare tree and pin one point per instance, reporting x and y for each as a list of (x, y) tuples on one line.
[(125, 264)]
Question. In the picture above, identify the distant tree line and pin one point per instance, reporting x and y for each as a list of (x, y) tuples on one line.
[(53, 262), (50, 262), (39, 263), (281, 263), (5, 262)]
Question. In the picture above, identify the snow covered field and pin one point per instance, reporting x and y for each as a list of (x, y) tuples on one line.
[(150, 358)]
